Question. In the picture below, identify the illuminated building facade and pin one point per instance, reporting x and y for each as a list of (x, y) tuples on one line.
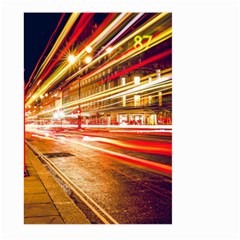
[(126, 80)]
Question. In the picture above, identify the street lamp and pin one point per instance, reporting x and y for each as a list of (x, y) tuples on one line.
[(88, 49), (71, 58), (88, 59), (79, 119), (109, 49)]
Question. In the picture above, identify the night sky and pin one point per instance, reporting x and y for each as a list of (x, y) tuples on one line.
[(38, 28)]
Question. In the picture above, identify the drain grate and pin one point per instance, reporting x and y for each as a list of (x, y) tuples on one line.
[(58, 154)]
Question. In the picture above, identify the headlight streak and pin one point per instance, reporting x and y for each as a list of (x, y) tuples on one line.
[(141, 88), (166, 73), (163, 168), (49, 41), (62, 69), (123, 57), (114, 47), (109, 31), (155, 41), (82, 23), (120, 90), (61, 37), (136, 145), (130, 90), (112, 93), (122, 31)]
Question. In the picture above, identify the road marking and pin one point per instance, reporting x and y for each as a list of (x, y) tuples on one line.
[(76, 190)]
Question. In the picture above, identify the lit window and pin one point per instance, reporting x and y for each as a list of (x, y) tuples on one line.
[(124, 101), (88, 49), (158, 72), (136, 80), (136, 100), (123, 81), (160, 98), (149, 100)]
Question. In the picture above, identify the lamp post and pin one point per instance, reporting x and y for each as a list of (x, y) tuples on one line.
[(79, 118)]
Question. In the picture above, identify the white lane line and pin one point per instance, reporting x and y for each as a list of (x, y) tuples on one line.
[(70, 183)]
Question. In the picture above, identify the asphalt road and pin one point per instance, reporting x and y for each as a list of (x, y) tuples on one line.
[(129, 193)]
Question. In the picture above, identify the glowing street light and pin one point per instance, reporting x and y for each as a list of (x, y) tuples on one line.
[(109, 49), (46, 94), (88, 59), (88, 49), (71, 58)]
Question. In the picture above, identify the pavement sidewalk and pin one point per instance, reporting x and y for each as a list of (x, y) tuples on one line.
[(45, 202)]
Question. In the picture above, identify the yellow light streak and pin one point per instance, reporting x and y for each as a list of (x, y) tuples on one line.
[(63, 69), (61, 37), (119, 91), (105, 32), (158, 39)]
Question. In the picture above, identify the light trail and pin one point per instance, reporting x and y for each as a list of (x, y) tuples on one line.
[(158, 37), (61, 37), (49, 41), (141, 88), (136, 145), (111, 92), (50, 81), (63, 69), (124, 56), (154, 20), (128, 90), (160, 168), (82, 23), (122, 31)]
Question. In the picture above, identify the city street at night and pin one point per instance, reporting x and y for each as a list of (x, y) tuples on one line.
[(98, 115), (119, 120), (138, 192)]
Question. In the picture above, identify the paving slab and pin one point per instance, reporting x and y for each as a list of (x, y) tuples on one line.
[(37, 198), (45, 202), (40, 210), (34, 190), (44, 220)]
